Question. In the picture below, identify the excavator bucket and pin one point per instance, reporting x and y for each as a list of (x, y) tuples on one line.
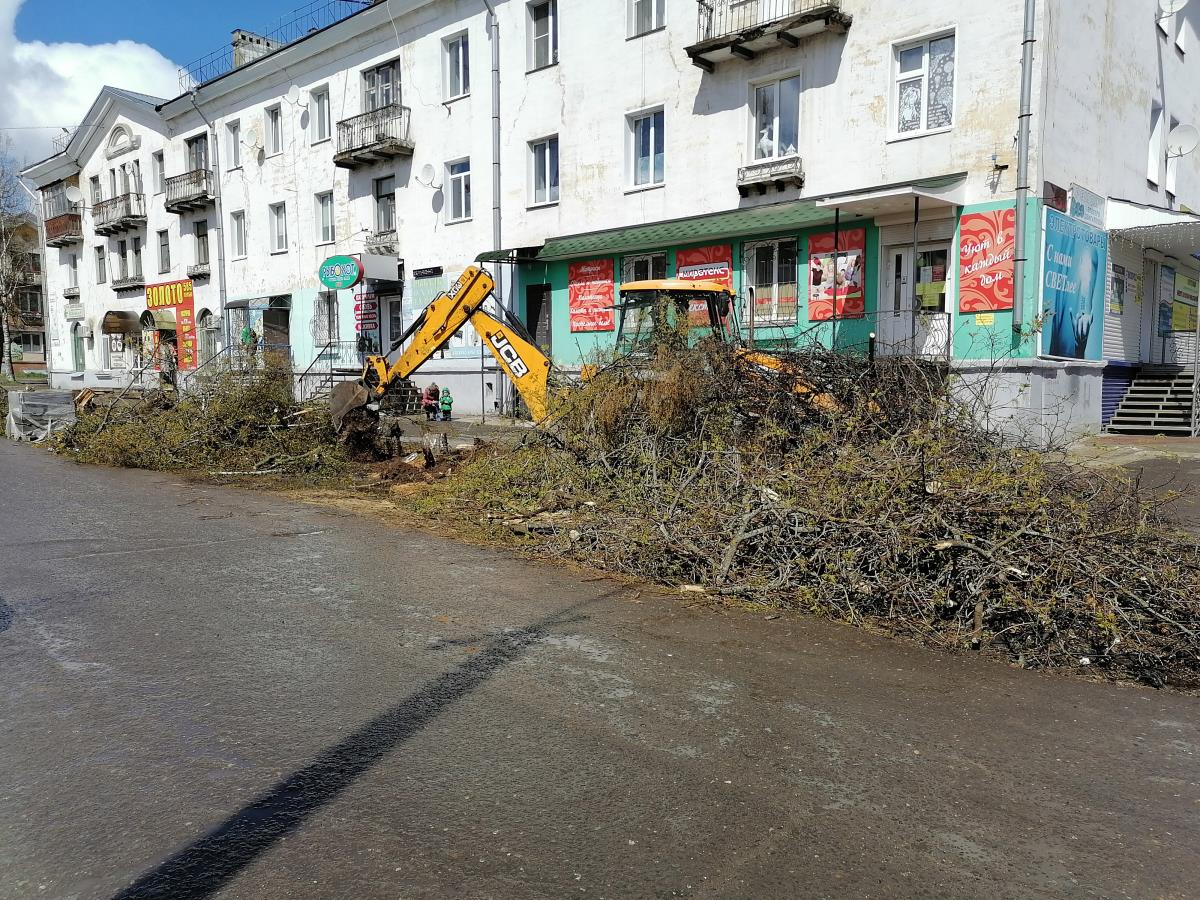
[(345, 397)]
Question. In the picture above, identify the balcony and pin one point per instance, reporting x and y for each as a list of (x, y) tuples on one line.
[(119, 214), (742, 29), (778, 173), (71, 293), (64, 229), (373, 137), (200, 270), (190, 191), (383, 243), (133, 282)]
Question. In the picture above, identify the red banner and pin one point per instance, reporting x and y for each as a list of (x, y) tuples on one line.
[(704, 264), (178, 295), (986, 248), (590, 295), (846, 282)]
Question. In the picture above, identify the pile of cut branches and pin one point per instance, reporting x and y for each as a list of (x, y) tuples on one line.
[(887, 507), (235, 425)]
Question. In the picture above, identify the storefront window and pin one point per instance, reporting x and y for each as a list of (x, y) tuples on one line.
[(770, 272)]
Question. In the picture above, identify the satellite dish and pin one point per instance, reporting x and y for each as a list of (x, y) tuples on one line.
[(253, 137), (1170, 7), (1182, 140), (427, 173), (293, 94), (74, 194)]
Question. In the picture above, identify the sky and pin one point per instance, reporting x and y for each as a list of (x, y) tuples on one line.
[(55, 55)]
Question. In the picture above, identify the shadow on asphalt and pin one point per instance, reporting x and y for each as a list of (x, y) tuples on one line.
[(208, 864)]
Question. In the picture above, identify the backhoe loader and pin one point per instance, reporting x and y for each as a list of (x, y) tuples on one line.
[(651, 313)]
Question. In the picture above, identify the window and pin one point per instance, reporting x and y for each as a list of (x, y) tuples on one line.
[(771, 275), (30, 303), (31, 343), (381, 87), (1155, 150), (77, 354), (646, 156), (200, 233), (274, 130), (101, 266), (164, 252), (97, 195), (237, 225), (458, 174), (644, 16), (123, 259), (73, 270), (135, 174), (385, 203), (207, 327), (278, 217), (319, 111), (233, 145), (197, 152), (325, 319), (543, 33), (324, 217), (458, 67), (159, 169), (923, 95), (644, 267), (544, 157), (777, 118), (137, 257)]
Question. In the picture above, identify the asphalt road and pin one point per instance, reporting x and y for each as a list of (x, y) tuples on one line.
[(213, 692)]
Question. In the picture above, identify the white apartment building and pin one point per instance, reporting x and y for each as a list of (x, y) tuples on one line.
[(651, 138)]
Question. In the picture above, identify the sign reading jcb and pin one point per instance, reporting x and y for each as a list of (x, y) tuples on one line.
[(509, 354)]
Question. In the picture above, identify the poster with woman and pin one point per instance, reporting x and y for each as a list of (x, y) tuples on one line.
[(841, 282), (1074, 281)]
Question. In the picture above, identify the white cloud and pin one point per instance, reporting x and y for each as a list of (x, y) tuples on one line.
[(54, 84)]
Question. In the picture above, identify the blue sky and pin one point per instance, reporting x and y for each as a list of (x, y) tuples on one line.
[(170, 27)]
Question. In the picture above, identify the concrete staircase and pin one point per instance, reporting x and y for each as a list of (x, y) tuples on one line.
[(1158, 402)]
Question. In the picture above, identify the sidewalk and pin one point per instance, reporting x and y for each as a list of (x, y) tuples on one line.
[(1162, 464)]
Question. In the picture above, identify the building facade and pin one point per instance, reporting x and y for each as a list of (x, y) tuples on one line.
[(848, 168), (22, 273)]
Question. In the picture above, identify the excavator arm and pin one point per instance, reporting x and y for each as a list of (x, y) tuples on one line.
[(508, 342)]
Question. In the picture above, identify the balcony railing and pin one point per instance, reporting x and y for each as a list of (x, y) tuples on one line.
[(384, 243), (63, 229), (188, 191), (782, 173), (199, 270), (71, 293), (119, 214), (129, 282), (378, 135), (727, 29)]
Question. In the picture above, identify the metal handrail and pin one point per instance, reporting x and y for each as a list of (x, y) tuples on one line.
[(188, 186), (329, 353), (388, 123), (126, 206), (186, 378), (724, 18)]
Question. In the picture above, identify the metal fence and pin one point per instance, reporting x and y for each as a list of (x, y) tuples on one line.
[(127, 206), (189, 186), (723, 18), (380, 126)]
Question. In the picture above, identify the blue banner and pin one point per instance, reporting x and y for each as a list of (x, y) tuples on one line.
[(1074, 277)]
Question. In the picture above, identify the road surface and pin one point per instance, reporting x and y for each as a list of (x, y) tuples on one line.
[(213, 692)]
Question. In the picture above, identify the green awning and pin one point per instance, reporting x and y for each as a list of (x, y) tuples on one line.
[(510, 257), (775, 217)]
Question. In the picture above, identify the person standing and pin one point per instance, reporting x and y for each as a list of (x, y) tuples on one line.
[(447, 404)]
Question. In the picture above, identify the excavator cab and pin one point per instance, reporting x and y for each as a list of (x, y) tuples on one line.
[(674, 312)]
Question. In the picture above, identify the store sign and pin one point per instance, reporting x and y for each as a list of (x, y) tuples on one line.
[(1086, 206), (366, 312), (590, 289), (73, 312), (841, 281), (178, 295), (1074, 284), (986, 248), (1183, 309), (340, 272)]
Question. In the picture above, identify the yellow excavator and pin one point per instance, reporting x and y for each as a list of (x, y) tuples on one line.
[(648, 311)]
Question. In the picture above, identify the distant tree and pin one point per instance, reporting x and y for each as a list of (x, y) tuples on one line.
[(18, 238)]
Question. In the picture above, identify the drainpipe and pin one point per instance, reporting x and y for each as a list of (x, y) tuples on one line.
[(216, 169), (493, 24), (1019, 258)]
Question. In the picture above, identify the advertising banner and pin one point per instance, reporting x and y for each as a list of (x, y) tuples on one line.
[(1116, 293), (705, 264), (1183, 311), (1166, 299), (986, 248), (178, 295), (590, 288), (846, 283), (1074, 282)]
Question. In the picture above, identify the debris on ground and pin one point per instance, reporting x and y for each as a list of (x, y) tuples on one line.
[(233, 426), (892, 508)]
